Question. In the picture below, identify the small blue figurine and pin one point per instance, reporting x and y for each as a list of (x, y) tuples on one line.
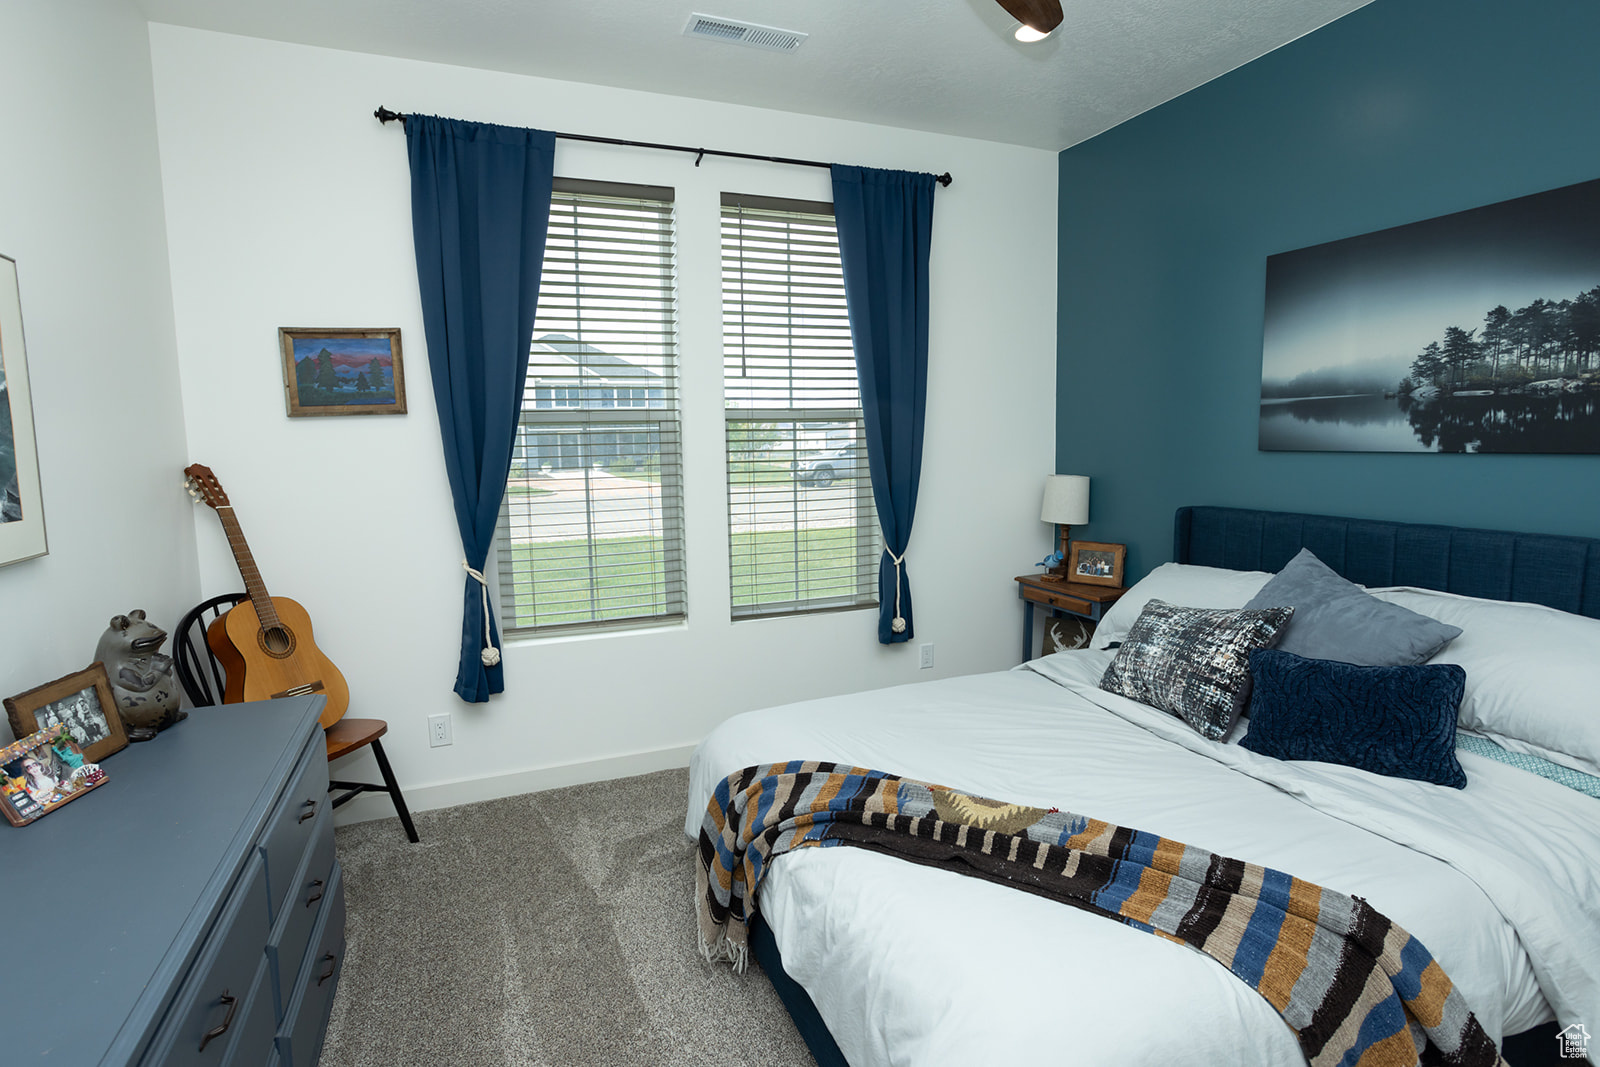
[(1052, 560)]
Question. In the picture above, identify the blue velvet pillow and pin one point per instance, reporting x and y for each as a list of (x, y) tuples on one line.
[(1397, 721)]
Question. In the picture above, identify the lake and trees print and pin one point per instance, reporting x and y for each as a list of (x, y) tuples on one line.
[(1472, 332)]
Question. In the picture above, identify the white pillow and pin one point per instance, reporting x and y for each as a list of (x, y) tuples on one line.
[(1533, 673), (1182, 584)]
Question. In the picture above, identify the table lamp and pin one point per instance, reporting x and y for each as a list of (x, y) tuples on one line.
[(1066, 503)]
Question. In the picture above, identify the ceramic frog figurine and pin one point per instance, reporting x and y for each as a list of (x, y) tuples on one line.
[(147, 694)]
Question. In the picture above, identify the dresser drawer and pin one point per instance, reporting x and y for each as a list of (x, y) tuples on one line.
[(292, 823), (252, 1030), (216, 995), (300, 1036), (1058, 600), (291, 934)]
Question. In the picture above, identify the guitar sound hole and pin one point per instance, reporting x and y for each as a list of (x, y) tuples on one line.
[(276, 641)]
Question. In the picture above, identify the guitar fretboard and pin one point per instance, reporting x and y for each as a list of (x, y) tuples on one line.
[(253, 585)]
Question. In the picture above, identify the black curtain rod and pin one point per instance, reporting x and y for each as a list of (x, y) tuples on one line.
[(383, 114)]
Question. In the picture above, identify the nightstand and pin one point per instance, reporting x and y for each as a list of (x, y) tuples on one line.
[(1060, 598)]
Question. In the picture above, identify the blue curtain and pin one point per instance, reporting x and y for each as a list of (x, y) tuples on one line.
[(480, 210), (885, 220)]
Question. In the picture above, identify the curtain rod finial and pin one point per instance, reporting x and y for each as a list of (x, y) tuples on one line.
[(383, 114), (944, 179)]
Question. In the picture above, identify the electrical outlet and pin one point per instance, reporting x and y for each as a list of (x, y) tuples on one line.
[(927, 655), (439, 730)]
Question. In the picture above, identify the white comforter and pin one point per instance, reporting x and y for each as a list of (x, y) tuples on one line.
[(1498, 880)]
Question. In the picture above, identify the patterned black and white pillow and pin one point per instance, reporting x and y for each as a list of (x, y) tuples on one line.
[(1193, 662)]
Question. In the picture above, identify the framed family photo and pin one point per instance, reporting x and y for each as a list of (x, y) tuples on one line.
[(1096, 563), (81, 703), (342, 372), (21, 503), (41, 772)]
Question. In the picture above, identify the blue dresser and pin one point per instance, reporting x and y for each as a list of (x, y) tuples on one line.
[(188, 912)]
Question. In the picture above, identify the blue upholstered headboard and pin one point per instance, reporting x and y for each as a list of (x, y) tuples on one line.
[(1560, 572)]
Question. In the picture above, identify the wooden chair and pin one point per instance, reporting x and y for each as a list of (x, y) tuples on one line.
[(204, 680)]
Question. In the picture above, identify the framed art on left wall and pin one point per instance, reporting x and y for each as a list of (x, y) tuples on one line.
[(21, 503)]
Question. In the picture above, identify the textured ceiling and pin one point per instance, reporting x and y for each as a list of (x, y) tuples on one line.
[(949, 66)]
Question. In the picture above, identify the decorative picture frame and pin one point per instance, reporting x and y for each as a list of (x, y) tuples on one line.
[(342, 371), (81, 703), (1096, 563), (43, 771), (21, 502)]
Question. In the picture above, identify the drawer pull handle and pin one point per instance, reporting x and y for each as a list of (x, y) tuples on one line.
[(332, 961), (310, 812), (317, 885), (218, 1031)]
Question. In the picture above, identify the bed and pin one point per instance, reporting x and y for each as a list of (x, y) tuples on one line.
[(883, 962)]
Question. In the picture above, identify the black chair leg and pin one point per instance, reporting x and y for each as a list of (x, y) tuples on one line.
[(394, 791)]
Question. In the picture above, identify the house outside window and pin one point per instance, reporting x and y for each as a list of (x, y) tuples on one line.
[(803, 532), (591, 528)]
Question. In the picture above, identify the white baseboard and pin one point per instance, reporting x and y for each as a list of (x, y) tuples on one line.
[(471, 790)]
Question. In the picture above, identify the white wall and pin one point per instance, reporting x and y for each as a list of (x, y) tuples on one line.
[(288, 205), (80, 212)]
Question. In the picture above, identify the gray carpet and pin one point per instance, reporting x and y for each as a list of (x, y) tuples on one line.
[(554, 929)]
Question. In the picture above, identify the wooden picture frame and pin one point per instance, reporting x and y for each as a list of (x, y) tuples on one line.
[(1096, 563), (43, 771), (21, 502), (81, 703), (342, 372)]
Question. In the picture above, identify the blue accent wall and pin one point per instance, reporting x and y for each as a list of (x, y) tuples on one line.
[(1400, 111)]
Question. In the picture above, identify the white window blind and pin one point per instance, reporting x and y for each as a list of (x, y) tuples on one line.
[(591, 531), (802, 529)]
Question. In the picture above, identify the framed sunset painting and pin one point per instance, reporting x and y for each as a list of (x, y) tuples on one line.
[(342, 372)]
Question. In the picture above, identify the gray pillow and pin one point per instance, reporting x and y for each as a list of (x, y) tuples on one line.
[(1336, 619)]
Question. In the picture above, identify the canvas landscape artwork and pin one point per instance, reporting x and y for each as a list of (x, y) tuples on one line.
[(343, 372), (1472, 332)]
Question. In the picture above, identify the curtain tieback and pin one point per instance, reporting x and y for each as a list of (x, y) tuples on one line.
[(897, 624), (490, 655)]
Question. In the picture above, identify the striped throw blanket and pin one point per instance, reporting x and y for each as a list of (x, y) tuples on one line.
[(1356, 989)]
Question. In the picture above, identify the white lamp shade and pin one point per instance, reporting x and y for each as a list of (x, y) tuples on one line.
[(1066, 499)]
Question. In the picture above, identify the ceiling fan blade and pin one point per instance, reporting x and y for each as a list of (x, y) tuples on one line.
[(1042, 15)]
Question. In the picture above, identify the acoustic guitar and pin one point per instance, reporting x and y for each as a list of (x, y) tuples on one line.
[(264, 643)]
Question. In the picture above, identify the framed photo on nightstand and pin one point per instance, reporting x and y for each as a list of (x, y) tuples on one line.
[(1096, 563)]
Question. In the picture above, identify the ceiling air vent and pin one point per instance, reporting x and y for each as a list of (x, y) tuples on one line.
[(751, 34)]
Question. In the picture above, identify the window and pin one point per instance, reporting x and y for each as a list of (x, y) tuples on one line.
[(802, 529), (591, 530)]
